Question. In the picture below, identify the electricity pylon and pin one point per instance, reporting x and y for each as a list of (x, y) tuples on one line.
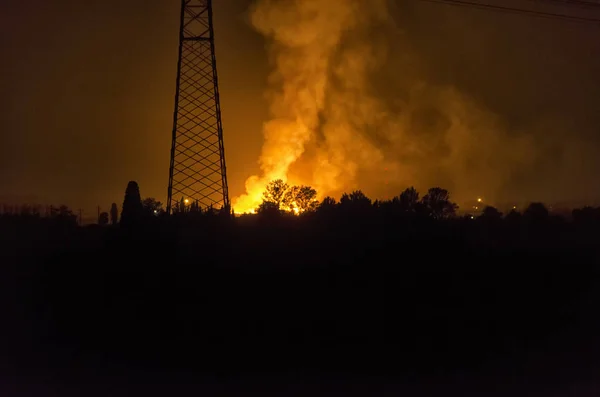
[(197, 173)]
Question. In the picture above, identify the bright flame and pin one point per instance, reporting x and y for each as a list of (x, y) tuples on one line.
[(307, 35)]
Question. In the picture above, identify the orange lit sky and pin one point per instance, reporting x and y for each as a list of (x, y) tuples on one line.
[(86, 100)]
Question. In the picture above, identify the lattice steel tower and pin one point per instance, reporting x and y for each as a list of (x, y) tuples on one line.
[(197, 173)]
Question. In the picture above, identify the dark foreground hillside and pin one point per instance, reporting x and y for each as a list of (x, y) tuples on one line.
[(342, 298)]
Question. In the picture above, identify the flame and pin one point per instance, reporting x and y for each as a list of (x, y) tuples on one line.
[(284, 144), (306, 36)]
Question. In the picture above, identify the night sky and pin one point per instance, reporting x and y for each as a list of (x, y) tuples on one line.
[(87, 90)]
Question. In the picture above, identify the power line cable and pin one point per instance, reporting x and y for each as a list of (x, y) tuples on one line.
[(491, 7), (577, 3)]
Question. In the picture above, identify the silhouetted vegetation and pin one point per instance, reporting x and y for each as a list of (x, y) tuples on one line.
[(407, 278), (133, 209), (114, 214), (152, 207), (103, 219), (279, 196)]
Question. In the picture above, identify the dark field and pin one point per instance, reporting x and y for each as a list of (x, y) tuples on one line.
[(427, 306)]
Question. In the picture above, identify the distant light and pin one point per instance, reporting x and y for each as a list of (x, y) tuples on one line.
[(479, 200), (476, 208), (472, 217), (514, 207), (156, 211), (186, 201)]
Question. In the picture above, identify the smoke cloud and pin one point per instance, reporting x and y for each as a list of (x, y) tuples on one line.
[(347, 114)]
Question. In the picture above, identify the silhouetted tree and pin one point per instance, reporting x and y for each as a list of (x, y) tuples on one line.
[(152, 206), (328, 205), (437, 203), (61, 210), (296, 199), (536, 212), (276, 193), (513, 217), (132, 205), (211, 211), (64, 215), (226, 212), (586, 215), (114, 214), (355, 201), (195, 207), (491, 213), (301, 199), (378, 205), (408, 200), (103, 219), (268, 209)]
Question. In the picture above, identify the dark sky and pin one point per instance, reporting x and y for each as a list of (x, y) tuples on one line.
[(86, 91)]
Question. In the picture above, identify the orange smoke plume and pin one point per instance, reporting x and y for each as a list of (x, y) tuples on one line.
[(331, 130), (305, 36)]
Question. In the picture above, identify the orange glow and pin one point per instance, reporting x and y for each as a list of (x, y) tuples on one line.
[(329, 129), (309, 35)]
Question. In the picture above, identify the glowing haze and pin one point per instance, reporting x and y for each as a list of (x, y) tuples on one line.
[(331, 128)]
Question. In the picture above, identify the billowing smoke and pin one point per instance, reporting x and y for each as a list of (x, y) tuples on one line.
[(345, 116)]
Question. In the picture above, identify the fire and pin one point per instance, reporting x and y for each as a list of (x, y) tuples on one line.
[(307, 37), (255, 187), (248, 202), (329, 127)]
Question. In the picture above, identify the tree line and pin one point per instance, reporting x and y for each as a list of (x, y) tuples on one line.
[(281, 199)]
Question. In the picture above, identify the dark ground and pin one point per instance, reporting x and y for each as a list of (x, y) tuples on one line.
[(373, 307)]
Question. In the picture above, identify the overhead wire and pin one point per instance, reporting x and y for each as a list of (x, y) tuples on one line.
[(583, 3), (514, 10), (577, 3)]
